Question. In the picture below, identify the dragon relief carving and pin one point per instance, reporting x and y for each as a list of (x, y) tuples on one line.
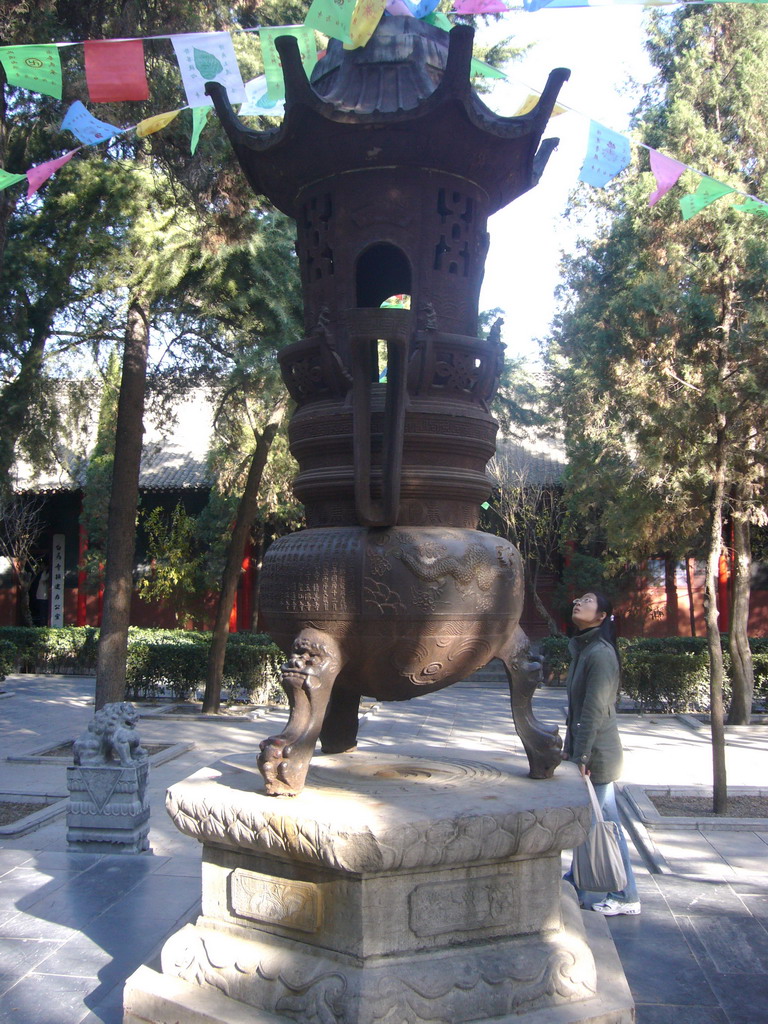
[(430, 564)]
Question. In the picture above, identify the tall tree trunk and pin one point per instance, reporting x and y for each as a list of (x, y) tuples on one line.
[(742, 669), (25, 585), (539, 605), (246, 513), (259, 538), (670, 588), (714, 646), (689, 585), (123, 504)]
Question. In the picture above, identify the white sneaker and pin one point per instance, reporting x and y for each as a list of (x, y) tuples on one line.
[(610, 907)]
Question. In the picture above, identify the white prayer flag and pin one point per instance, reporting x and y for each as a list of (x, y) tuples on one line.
[(208, 57)]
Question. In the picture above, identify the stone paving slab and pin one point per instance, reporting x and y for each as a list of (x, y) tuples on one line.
[(73, 926)]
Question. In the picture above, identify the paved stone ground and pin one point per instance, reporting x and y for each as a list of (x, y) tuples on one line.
[(73, 926)]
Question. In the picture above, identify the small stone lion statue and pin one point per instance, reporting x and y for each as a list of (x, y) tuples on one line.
[(111, 736)]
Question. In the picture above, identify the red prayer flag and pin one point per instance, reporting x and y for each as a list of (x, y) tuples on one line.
[(115, 70)]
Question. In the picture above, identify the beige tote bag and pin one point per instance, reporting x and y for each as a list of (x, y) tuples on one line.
[(597, 863)]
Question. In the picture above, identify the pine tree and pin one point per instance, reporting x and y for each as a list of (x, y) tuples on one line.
[(658, 354)]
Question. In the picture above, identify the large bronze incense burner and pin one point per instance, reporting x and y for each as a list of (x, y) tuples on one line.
[(391, 165)]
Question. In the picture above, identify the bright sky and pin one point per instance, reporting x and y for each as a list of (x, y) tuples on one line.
[(603, 47)]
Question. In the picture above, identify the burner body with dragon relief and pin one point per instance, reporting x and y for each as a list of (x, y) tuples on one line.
[(391, 165)]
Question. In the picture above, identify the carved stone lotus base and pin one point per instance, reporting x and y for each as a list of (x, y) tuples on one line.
[(392, 890)]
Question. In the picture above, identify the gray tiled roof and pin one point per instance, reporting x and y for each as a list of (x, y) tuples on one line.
[(531, 462), (170, 466)]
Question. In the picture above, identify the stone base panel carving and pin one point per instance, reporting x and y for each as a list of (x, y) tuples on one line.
[(373, 915), (472, 983)]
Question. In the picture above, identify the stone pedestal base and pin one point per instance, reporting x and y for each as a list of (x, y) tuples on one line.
[(108, 809), (392, 890)]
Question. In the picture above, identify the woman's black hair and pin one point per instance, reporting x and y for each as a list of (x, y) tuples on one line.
[(607, 628)]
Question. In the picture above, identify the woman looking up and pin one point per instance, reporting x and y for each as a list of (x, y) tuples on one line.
[(592, 735)]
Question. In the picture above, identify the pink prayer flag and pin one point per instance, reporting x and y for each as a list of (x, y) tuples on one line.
[(115, 70), (36, 176), (666, 171), (480, 7)]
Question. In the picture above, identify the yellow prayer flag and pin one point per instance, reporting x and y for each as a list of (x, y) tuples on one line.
[(153, 124), (531, 101), (365, 17)]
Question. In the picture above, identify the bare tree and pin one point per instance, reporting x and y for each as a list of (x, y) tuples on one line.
[(21, 525), (532, 512)]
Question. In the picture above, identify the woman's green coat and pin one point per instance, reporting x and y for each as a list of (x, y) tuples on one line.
[(592, 736)]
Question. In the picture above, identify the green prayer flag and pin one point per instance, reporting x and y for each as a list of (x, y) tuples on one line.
[(479, 67), (7, 179), (708, 191), (33, 67), (273, 70), (752, 206), (332, 17), (439, 20), (199, 117)]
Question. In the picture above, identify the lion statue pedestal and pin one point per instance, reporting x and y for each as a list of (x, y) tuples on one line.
[(108, 806)]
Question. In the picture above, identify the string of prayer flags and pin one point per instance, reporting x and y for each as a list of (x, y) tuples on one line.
[(530, 102), (37, 176), (273, 69), (37, 68), (207, 57), (365, 17), (480, 7), (608, 154), (708, 191), (751, 206), (537, 5), (7, 179), (150, 125), (666, 171), (199, 118), (85, 127), (115, 70), (257, 103)]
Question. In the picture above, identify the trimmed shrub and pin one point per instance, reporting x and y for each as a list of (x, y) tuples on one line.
[(666, 680), (665, 674), (45, 649), (7, 658), (178, 660), (158, 659), (554, 650)]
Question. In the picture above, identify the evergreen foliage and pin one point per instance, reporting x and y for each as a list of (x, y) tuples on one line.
[(657, 357)]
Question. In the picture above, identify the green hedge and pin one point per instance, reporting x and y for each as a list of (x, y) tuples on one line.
[(665, 673), (179, 661), (158, 659), (7, 658), (44, 649)]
